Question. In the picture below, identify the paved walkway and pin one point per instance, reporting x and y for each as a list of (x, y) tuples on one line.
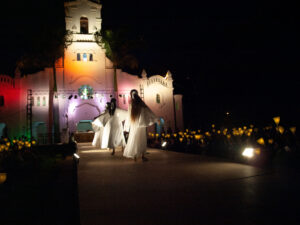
[(181, 189)]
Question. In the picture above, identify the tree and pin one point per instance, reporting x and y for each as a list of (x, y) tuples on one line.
[(46, 44), (120, 48)]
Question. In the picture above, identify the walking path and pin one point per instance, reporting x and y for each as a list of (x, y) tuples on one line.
[(184, 189)]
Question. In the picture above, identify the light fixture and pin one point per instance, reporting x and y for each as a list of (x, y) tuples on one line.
[(164, 144), (248, 152), (76, 156)]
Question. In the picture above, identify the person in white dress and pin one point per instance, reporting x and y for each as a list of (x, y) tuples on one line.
[(138, 119), (98, 126), (113, 134)]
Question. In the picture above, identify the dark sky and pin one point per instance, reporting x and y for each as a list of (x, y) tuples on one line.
[(236, 56)]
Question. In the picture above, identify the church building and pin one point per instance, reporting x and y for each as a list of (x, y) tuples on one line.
[(85, 82)]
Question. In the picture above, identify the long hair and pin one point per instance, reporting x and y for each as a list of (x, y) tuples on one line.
[(136, 105), (112, 107)]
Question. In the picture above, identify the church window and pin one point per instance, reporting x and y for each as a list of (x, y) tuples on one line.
[(84, 57), (78, 56), (44, 101), (157, 98), (1, 100), (38, 101), (85, 92), (84, 25), (91, 57)]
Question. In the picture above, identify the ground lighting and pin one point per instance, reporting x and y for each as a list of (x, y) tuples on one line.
[(164, 144), (248, 152)]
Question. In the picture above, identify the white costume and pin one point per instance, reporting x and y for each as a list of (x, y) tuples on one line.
[(113, 135), (137, 140), (98, 126)]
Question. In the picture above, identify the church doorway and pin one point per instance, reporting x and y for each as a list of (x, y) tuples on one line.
[(83, 115), (39, 132)]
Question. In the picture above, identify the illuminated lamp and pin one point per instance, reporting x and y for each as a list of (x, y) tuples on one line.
[(248, 152), (293, 130), (3, 177), (76, 157), (164, 144), (281, 129), (197, 137), (261, 141), (276, 119), (71, 96)]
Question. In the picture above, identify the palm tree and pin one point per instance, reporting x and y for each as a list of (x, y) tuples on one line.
[(119, 48), (47, 45)]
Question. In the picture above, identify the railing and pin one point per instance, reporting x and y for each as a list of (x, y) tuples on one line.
[(83, 37)]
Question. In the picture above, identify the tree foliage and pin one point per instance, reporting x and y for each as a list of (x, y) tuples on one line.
[(121, 47)]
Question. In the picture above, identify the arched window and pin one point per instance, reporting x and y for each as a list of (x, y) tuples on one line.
[(157, 98), (84, 57), (84, 25), (91, 57), (38, 101), (44, 101), (78, 56)]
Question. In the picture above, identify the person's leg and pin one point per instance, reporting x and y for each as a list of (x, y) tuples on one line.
[(113, 151)]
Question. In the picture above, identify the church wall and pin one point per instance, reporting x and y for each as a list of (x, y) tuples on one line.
[(72, 74), (39, 84), (9, 111), (82, 72), (162, 107)]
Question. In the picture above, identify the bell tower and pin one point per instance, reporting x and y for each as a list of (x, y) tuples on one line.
[(84, 61)]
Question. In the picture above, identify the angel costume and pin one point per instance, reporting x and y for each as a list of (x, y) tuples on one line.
[(137, 139), (98, 126), (113, 135)]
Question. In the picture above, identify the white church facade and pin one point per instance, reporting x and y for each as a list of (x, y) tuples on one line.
[(85, 82)]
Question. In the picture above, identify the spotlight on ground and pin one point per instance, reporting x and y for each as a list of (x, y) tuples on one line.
[(76, 157), (248, 152), (163, 144)]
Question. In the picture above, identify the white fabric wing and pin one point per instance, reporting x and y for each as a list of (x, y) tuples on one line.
[(121, 113), (147, 117)]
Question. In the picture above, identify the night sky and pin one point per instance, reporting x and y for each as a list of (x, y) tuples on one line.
[(235, 56)]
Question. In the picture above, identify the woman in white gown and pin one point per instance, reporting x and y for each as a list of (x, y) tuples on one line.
[(98, 126), (113, 135), (139, 117)]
